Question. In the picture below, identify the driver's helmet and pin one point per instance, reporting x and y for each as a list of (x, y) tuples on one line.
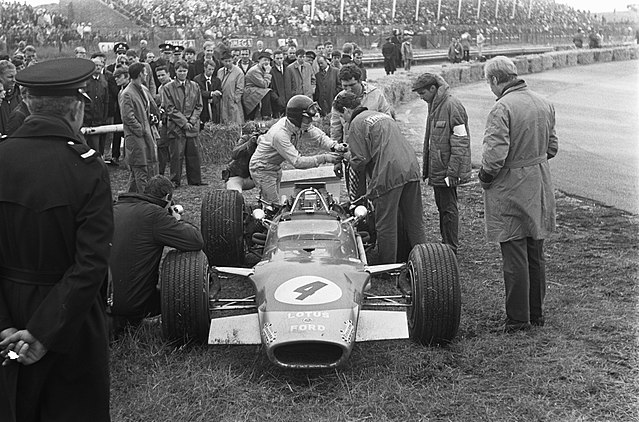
[(300, 107)]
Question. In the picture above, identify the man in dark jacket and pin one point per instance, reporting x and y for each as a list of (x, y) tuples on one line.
[(12, 97), (144, 225), (446, 151), (380, 151), (209, 84), (96, 111), (389, 51), (57, 220), (278, 93), (328, 85)]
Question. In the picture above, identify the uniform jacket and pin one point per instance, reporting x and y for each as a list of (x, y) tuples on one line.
[(208, 99), (96, 111), (136, 105), (256, 86), (447, 139), (182, 104), (328, 85), (373, 99), (279, 144), (377, 146), (299, 80), (232, 90), (519, 139), (57, 226), (277, 85), (143, 226), (10, 102)]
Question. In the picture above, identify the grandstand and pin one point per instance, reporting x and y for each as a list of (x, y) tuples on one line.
[(98, 13)]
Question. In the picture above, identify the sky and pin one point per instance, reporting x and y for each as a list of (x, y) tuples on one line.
[(592, 5)]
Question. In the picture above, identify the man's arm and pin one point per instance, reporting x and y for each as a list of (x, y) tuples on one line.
[(239, 86), (337, 125), (459, 141), (495, 145), (194, 119), (172, 113), (176, 234), (553, 144), (288, 83), (127, 111)]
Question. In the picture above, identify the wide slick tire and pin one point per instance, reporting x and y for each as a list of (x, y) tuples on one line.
[(222, 225), (184, 289), (434, 313)]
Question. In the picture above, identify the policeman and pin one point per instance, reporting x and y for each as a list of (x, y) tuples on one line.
[(57, 225), (279, 144)]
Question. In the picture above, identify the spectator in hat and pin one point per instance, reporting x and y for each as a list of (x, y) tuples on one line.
[(299, 78), (96, 111), (120, 50), (256, 97), (51, 310), (390, 56), (232, 79), (446, 158), (310, 58), (182, 102)]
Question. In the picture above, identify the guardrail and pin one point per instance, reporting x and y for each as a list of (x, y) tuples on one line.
[(375, 60)]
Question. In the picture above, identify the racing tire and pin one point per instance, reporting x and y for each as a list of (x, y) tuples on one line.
[(222, 225), (184, 291), (435, 309)]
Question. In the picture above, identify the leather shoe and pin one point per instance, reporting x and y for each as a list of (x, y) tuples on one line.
[(199, 184), (537, 322), (512, 326)]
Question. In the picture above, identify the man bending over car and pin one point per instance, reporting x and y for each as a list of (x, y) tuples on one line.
[(380, 151), (144, 225)]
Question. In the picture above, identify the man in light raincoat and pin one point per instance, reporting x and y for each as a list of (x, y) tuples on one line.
[(518, 192)]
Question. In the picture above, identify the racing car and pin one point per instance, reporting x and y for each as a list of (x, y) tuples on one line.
[(314, 292)]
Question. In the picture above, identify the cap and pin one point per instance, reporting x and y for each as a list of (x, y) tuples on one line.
[(264, 54), (189, 50), (311, 54), (166, 48), (131, 53), (57, 78), (120, 47), (178, 49), (226, 55), (425, 80)]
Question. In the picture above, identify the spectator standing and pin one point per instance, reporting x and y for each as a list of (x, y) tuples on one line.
[(480, 44), (358, 55), (232, 89), (578, 39), (189, 58), (148, 80), (291, 56), (12, 96), (446, 157), (211, 89), (58, 218), (465, 43), (96, 111), (328, 85), (139, 117), (144, 49), (144, 224), (256, 97), (407, 52), (17, 116), (182, 102), (164, 154), (278, 93), (455, 52), (245, 62), (299, 78), (518, 192), (120, 50), (259, 48), (390, 56), (80, 52), (379, 150), (209, 55), (119, 81), (347, 53)]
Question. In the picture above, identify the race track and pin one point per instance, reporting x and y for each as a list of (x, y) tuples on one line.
[(597, 108)]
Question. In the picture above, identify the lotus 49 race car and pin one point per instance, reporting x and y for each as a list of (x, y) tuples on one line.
[(313, 287)]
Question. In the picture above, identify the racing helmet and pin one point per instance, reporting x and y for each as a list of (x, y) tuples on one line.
[(300, 107)]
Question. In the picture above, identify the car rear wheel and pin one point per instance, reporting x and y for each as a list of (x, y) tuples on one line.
[(184, 290), (435, 309), (222, 225)]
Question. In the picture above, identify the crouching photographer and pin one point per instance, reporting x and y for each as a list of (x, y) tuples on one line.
[(144, 224)]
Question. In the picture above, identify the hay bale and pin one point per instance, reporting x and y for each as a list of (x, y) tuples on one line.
[(634, 52), (586, 57), (521, 62), (603, 55), (476, 72), (396, 89), (621, 54), (535, 64), (464, 75), (217, 142), (452, 75), (547, 61), (572, 58)]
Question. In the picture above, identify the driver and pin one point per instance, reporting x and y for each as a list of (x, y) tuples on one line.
[(279, 144)]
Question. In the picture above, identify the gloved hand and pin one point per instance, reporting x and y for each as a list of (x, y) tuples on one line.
[(338, 169)]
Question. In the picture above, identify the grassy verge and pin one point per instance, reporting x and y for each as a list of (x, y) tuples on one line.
[(581, 367)]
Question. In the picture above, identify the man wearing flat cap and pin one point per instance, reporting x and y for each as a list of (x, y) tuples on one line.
[(232, 79), (257, 89), (58, 220), (446, 151)]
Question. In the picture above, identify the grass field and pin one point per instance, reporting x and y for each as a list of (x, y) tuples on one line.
[(582, 366)]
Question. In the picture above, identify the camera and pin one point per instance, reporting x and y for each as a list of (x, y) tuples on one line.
[(176, 209)]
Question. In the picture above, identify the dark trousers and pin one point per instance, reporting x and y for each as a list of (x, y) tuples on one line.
[(96, 142), (264, 109), (115, 145), (446, 200), (183, 148), (398, 215), (525, 278)]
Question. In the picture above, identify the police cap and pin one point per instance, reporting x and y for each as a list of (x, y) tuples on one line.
[(166, 48), (120, 47), (178, 49), (57, 78)]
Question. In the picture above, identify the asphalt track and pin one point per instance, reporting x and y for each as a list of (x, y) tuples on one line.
[(597, 109)]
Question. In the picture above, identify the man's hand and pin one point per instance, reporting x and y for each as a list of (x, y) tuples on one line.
[(333, 157), (343, 147), (22, 342), (338, 169)]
